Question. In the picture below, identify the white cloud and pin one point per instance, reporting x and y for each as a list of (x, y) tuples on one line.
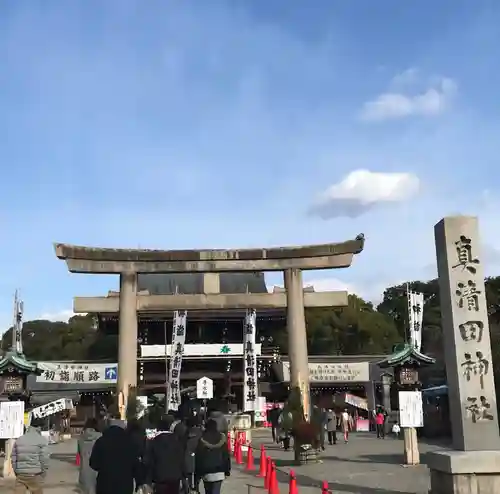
[(405, 78), (429, 102), (361, 190), (63, 315)]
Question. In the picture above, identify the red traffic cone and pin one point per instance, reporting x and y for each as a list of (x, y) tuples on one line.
[(239, 453), (78, 459), (274, 487), (324, 488), (250, 463), (292, 485), (267, 479), (263, 462)]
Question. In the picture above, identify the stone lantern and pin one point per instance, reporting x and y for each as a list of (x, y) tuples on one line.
[(14, 370), (406, 361)]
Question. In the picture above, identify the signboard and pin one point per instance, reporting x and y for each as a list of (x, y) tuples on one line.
[(11, 419), (204, 388), (261, 409), (250, 385), (333, 372), (52, 408), (410, 409), (222, 350), (75, 373)]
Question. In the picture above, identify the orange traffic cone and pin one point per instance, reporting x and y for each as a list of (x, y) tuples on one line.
[(250, 463), (78, 459), (263, 460), (267, 480), (235, 445), (274, 487), (292, 485), (324, 488), (239, 453)]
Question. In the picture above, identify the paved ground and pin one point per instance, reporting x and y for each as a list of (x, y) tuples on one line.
[(364, 466)]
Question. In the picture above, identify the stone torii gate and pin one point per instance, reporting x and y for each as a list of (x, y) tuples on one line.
[(128, 263)]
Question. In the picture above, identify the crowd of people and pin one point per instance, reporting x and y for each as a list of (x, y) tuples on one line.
[(118, 458), (329, 424)]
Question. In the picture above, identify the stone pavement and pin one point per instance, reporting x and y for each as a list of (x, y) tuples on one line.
[(364, 466)]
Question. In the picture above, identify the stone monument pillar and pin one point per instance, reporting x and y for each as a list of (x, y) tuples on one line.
[(297, 336), (127, 339), (473, 466)]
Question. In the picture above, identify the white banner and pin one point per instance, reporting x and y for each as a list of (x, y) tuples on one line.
[(199, 350), (52, 408), (250, 362), (77, 373), (176, 352), (11, 419), (415, 317)]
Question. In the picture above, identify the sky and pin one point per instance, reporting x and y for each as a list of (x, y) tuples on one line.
[(193, 124)]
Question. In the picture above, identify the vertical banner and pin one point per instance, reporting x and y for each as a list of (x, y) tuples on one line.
[(174, 375), (250, 362), (415, 316), (17, 330)]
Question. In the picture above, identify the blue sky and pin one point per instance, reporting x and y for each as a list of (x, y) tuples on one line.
[(172, 124)]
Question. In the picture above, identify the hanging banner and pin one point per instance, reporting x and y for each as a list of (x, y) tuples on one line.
[(250, 398), (415, 316), (177, 351), (51, 408)]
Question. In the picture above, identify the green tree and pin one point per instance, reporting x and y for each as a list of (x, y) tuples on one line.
[(355, 329)]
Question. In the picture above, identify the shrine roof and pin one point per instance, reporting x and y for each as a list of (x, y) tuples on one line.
[(404, 354), (67, 251), (19, 362)]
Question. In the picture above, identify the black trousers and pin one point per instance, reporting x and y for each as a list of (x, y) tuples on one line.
[(322, 438), (275, 436), (332, 437), (172, 487)]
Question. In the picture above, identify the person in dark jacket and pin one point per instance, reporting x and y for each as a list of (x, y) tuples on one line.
[(114, 458), (194, 432), (212, 462), (138, 436), (165, 459), (273, 416)]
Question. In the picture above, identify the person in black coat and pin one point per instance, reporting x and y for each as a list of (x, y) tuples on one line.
[(193, 434), (165, 459), (212, 461), (115, 460), (138, 436)]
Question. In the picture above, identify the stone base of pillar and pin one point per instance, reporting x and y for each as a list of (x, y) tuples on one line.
[(464, 472)]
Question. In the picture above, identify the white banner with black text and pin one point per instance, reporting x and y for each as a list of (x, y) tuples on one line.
[(174, 374), (415, 316), (250, 362)]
